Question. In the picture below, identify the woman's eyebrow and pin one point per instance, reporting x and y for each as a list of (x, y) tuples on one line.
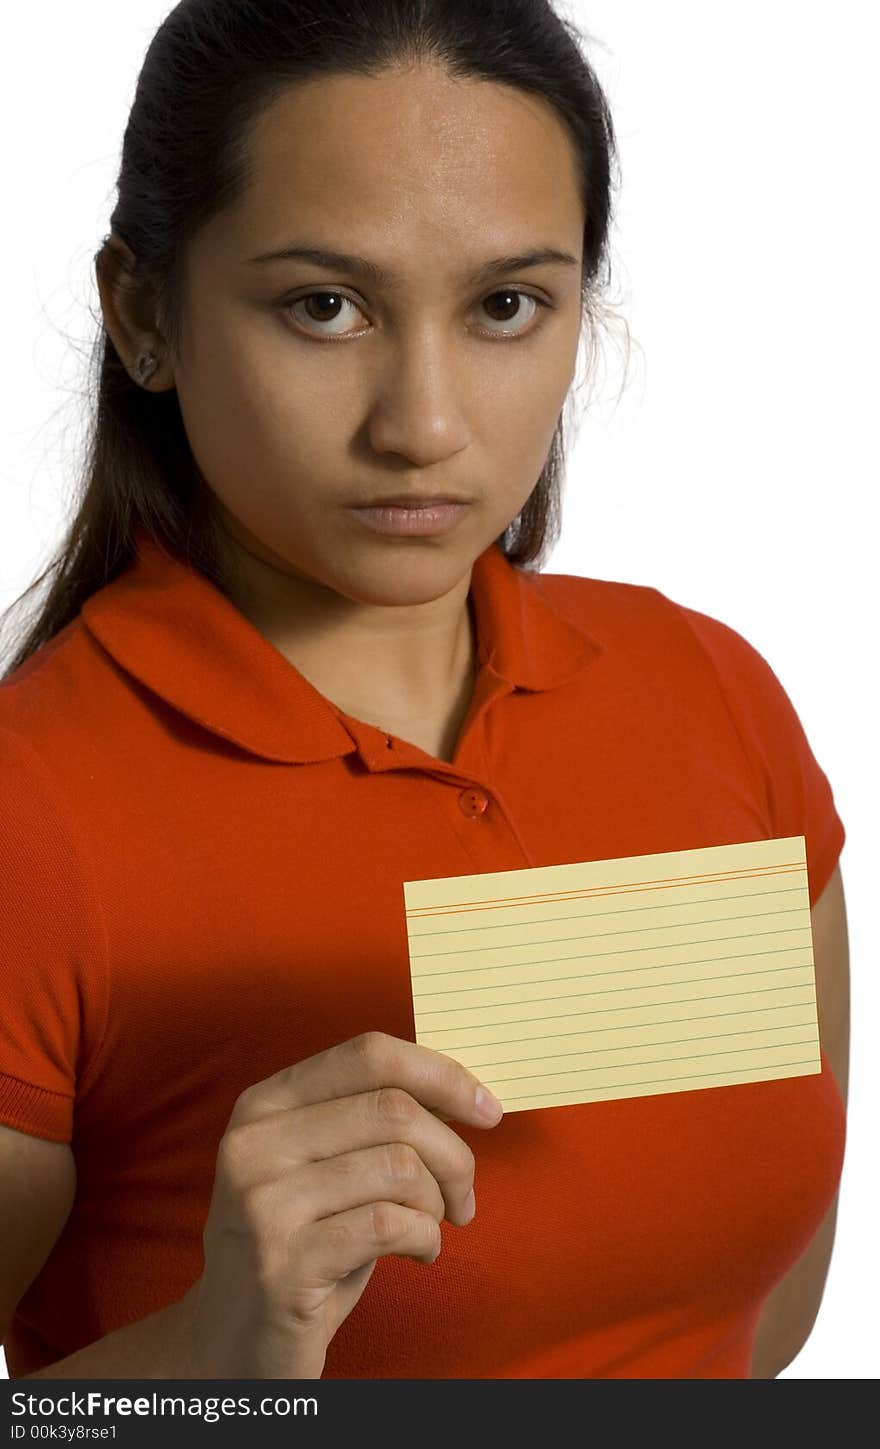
[(345, 261)]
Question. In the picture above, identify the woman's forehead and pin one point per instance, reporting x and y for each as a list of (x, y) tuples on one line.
[(415, 131), (332, 159)]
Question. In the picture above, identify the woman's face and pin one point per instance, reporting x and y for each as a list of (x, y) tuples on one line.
[(432, 383)]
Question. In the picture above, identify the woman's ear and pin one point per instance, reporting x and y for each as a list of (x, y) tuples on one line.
[(128, 305)]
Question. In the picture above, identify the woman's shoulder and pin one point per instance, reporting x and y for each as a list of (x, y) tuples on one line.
[(44, 697), (54, 725), (653, 635), (640, 614)]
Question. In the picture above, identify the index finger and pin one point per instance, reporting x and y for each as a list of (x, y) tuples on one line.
[(431, 1077), (372, 1060)]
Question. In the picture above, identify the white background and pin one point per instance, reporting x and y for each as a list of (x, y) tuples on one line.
[(738, 472)]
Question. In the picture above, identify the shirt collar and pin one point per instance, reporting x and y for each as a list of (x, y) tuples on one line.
[(178, 634)]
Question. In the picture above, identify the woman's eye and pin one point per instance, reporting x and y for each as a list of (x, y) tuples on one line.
[(507, 302), (327, 309)]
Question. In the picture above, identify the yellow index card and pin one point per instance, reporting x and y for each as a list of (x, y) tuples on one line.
[(618, 978)]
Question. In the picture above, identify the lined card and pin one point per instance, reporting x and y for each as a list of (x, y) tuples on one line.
[(605, 979)]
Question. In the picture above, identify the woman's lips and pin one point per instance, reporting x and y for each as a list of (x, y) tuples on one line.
[(422, 516)]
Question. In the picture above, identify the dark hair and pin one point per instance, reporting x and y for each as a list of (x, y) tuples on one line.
[(211, 69)]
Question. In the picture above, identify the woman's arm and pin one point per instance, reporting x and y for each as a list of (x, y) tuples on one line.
[(789, 1313)]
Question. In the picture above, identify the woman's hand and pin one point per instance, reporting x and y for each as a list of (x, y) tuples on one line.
[(324, 1168)]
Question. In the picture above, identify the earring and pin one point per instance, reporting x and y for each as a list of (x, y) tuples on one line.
[(145, 366)]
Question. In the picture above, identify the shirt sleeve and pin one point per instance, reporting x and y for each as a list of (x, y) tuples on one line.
[(796, 791), (52, 950)]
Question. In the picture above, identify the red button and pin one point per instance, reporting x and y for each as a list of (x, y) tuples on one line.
[(473, 802)]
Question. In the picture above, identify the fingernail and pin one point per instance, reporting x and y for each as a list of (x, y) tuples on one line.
[(470, 1207), (488, 1107)]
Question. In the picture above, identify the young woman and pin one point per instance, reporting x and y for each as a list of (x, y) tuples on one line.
[(298, 650)]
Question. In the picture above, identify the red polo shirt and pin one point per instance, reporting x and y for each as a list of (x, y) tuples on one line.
[(202, 870)]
